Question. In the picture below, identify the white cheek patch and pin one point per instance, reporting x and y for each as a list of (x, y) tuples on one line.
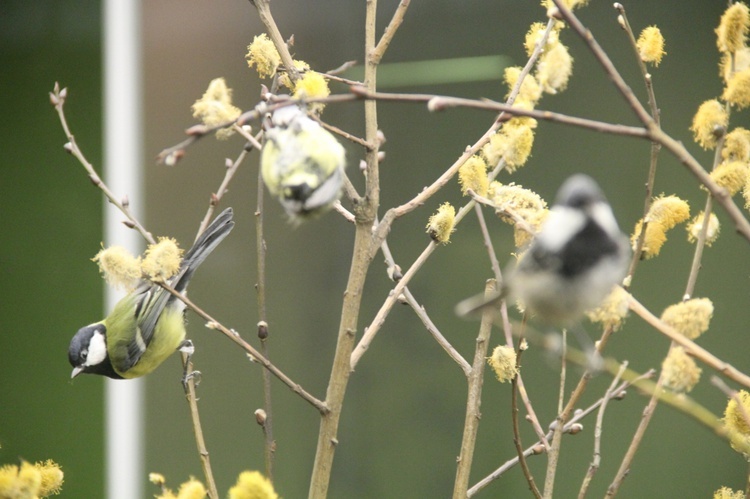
[(602, 215), (97, 350), (561, 224)]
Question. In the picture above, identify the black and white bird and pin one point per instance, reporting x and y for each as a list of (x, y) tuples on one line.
[(572, 264)]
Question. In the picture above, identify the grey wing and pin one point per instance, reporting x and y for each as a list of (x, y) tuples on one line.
[(150, 303)]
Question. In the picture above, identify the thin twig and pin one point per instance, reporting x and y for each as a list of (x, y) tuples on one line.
[(256, 355), (521, 388), (655, 146), (264, 13), (197, 428), (58, 97), (338, 131), (441, 102), (263, 328), (390, 32), (700, 242), (385, 308), (435, 332), (596, 462), (564, 415), (536, 448), (473, 401), (231, 169), (422, 313), (655, 133), (690, 346), (333, 73), (517, 431)]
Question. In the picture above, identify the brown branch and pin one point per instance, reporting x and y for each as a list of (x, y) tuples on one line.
[(596, 462), (473, 400), (517, 430), (390, 31), (690, 347), (655, 133), (57, 98), (365, 214), (249, 349), (537, 447), (197, 428), (263, 328), (264, 13)]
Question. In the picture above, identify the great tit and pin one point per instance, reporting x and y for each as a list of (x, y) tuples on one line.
[(301, 163), (572, 264), (148, 324)]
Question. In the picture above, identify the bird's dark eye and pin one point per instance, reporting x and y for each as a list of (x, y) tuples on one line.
[(84, 354)]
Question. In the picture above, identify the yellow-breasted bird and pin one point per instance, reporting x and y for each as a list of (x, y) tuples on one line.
[(148, 324)]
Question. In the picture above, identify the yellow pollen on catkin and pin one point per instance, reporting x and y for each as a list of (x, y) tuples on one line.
[(737, 145), (52, 478), (613, 310), (679, 371), (727, 493), (736, 420), (710, 118), (668, 211), (690, 318), (162, 260), (120, 269), (215, 107), (513, 144), (695, 226), (731, 175), (252, 485), (664, 214), (737, 92), (651, 45), (312, 85), (473, 175), (285, 81), (263, 55), (554, 69), (534, 35), (440, 225), (522, 208), (530, 90), (503, 363), (733, 28)]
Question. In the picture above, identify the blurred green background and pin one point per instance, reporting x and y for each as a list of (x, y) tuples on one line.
[(401, 428)]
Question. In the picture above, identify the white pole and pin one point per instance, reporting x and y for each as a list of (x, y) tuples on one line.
[(125, 474)]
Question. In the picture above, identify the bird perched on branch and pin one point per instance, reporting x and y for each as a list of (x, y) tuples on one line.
[(148, 324)]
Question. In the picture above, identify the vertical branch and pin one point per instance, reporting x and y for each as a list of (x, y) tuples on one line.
[(372, 186), (594, 466), (260, 287), (655, 146), (700, 243), (365, 211), (197, 429), (565, 414), (474, 400), (517, 430)]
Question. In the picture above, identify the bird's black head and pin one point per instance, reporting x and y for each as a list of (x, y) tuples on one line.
[(579, 191), (88, 352)]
